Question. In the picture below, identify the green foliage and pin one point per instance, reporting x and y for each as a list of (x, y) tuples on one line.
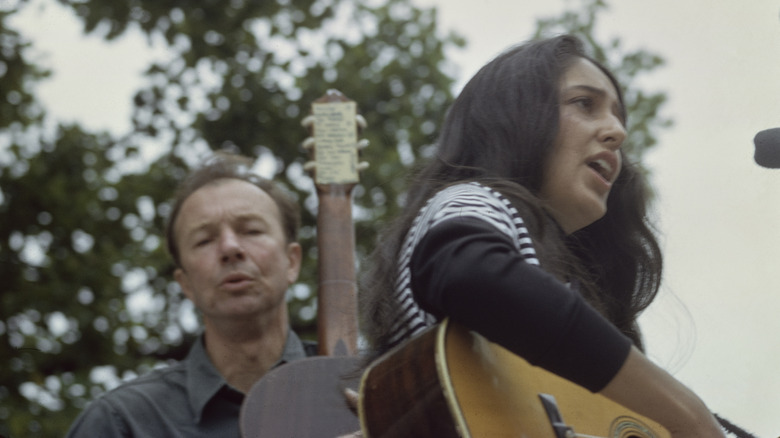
[(18, 76), (65, 283), (246, 86), (88, 297)]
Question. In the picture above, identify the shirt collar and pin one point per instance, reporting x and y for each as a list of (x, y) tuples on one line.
[(204, 381), (293, 349)]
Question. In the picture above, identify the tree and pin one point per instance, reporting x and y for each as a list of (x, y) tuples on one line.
[(88, 297)]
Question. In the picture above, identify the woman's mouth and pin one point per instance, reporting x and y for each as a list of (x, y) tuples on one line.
[(606, 164), (603, 168)]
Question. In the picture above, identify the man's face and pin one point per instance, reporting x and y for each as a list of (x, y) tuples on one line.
[(235, 259)]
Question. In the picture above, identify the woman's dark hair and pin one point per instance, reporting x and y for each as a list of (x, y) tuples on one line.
[(500, 131)]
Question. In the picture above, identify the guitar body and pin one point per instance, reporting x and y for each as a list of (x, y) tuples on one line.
[(304, 398), (450, 382)]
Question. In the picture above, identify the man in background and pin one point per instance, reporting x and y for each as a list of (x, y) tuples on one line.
[(233, 237)]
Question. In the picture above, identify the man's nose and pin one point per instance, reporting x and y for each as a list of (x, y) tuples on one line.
[(230, 246)]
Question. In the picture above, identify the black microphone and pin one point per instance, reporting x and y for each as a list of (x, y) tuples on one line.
[(768, 148)]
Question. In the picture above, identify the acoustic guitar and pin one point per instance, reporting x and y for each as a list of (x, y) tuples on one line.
[(306, 398), (451, 382)]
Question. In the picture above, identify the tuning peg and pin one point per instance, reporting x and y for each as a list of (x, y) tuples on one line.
[(309, 143), (308, 121), (361, 121), (363, 165), (362, 144), (309, 166)]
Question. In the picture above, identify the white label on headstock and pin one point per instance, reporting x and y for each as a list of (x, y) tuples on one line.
[(335, 134)]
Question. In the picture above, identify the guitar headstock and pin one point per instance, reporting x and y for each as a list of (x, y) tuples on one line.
[(334, 125)]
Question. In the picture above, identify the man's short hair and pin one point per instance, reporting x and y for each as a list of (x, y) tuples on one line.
[(231, 166)]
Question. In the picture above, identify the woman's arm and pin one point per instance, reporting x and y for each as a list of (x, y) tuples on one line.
[(467, 270)]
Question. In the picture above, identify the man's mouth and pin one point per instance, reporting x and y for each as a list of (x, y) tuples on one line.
[(234, 279)]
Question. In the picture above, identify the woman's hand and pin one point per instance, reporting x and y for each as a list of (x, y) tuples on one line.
[(352, 398), (645, 388)]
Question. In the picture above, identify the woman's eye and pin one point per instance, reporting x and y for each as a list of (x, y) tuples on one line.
[(584, 102)]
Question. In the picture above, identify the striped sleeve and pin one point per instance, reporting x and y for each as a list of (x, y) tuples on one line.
[(470, 200)]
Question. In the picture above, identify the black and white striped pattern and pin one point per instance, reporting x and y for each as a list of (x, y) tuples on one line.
[(471, 200)]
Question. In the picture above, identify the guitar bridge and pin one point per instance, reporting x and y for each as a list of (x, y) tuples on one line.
[(561, 429)]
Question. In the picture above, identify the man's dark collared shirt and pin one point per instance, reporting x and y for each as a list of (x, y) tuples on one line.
[(188, 399)]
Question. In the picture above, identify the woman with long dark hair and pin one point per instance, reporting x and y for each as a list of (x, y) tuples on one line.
[(530, 227)]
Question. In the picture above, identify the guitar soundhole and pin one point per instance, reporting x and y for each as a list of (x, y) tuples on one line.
[(628, 427)]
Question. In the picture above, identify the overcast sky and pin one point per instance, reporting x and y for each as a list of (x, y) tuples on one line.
[(715, 325)]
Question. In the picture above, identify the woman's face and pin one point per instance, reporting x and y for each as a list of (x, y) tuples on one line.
[(585, 160)]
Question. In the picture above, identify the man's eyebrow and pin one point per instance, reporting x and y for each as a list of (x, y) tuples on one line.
[(241, 218), (246, 217)]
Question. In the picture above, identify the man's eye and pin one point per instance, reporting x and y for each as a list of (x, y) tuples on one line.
[(202, 242)]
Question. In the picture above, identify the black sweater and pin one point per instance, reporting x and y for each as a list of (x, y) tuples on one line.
[(466, 269)]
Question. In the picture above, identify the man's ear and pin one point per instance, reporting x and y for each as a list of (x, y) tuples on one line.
[(181, 277), (294, 256)]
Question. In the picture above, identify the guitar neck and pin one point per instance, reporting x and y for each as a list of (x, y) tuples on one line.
[(337, 295), (335, 167)]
